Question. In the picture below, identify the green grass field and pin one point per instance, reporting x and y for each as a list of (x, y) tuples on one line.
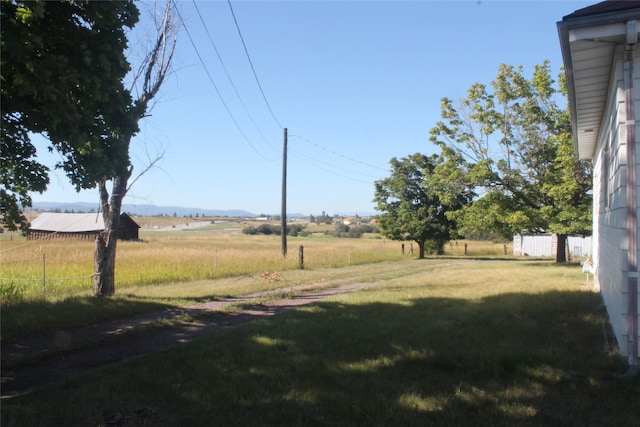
[(482, 339), (477, 340)]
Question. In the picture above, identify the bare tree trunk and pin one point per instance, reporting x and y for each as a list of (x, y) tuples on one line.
[(561, 249), (105, 254), (420, 249), (105, 264)]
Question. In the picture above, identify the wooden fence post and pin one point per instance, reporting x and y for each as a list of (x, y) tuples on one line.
[(301, 256), (44, 276), (215, 262)]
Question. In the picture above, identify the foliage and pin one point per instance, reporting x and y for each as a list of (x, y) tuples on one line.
[(62, 64), (11, 293), (411, 206), (323, 218), (250, 229), (268, 229), (352, 231), (512, 144)]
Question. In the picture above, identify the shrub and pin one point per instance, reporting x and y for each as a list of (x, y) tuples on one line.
[(295, 230), (250, 230), (351, 231), (267, 229)]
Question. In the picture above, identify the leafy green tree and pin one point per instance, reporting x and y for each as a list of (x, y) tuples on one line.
[(20, 173), (65, 66), (512, 144), (411, 206), (61, 67)]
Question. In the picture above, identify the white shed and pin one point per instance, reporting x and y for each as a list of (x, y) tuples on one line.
[(546, 244)]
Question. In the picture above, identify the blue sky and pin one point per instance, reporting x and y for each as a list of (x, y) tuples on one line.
[(355, 82)]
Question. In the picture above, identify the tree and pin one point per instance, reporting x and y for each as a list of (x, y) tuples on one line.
[(61, 67), (148, 80), (411, 206), (64, 68), (324, 218), (512, 144)]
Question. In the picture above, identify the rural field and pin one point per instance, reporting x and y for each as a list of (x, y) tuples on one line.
[(172, 251), (478, 339)]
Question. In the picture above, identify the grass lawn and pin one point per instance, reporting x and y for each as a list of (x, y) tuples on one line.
[(492, 342)]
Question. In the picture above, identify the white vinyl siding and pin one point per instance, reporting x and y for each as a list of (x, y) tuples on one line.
[(610, 207)]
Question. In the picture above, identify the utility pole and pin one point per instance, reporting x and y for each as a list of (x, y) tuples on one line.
[(283, 213)]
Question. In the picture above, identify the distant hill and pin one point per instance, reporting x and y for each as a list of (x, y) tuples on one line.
[(143, 210), (179, 211)]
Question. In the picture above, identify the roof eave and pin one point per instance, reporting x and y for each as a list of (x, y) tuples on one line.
[(565, 27), (565, 47)]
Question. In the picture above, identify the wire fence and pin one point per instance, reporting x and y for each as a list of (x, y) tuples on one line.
[(66, 271), (35, 283)]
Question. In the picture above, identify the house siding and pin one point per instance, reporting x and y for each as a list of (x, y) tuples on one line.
[(610, 206)]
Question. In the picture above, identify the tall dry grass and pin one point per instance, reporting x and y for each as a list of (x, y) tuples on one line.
[(60, 268)]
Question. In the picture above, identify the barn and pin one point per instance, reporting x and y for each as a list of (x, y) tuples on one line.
[(84, 226), (601, 56)]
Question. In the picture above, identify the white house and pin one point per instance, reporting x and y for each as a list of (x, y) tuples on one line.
[(601, 56)]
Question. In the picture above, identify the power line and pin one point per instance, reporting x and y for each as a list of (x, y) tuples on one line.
[(216, 87), (206, 28), (298, 154), (340, 155), (251, 64), (263, 95), (315, 160)]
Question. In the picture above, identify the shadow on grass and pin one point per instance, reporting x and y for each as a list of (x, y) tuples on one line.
[(42, 317), (546, 261), (434, 361), (528, 261)]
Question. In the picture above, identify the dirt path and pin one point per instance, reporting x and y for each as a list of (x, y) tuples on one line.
[(74, 352)]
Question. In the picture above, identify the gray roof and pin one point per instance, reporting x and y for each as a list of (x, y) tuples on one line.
[(589, 38), (68, 222)]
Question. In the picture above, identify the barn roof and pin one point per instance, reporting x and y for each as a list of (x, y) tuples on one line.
[(68, 222)]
